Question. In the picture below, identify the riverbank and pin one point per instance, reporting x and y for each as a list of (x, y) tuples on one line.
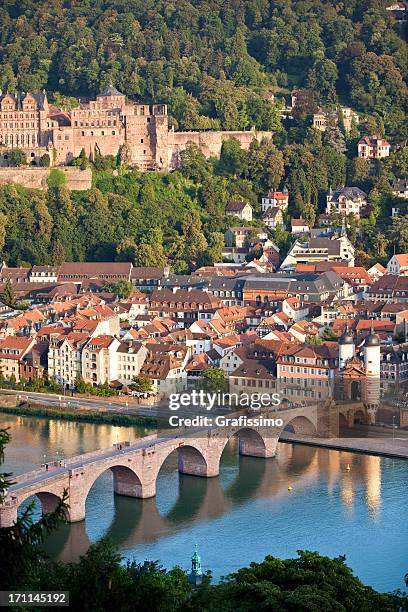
[(383, 447), (85, 416)]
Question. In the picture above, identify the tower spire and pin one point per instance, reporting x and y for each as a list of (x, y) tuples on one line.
[(196, 575)]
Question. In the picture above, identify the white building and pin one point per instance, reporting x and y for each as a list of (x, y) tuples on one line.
[(320, 248), (130, 357), (373, 147), (398, 264), (400, 188), (273, 217), (280, 199), (242, 210), (99, 363), (65, 357), (44, 274), (299, 226), (345, 201)]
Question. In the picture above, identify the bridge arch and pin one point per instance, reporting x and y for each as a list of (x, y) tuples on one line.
[(240, 474), (300, 425), (191, 460), (250, 442), (169, 482), (48, 501), (125, 480)]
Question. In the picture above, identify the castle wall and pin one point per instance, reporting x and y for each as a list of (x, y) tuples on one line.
[(36, 178), (69, 141), (210, 143), (109, 125), (33, 155)]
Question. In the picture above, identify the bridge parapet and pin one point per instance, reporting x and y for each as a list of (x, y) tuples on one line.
[(103, 451), (29, 475)]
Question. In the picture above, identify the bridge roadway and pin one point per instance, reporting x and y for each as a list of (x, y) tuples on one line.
[(135, 466)]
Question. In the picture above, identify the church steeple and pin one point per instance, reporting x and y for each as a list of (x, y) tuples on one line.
[(196, 575)]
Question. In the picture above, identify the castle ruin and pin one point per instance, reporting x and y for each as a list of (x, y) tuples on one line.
[(109, 125)]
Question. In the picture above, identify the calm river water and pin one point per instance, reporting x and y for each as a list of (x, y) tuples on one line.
[(241, 516)]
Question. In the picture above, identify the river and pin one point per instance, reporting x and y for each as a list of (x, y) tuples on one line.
[(245, 514)]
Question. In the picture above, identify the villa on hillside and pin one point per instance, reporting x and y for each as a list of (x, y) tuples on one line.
[(373, 147), (345, 201)]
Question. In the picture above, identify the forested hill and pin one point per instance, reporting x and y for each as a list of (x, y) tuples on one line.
[(213, 61)]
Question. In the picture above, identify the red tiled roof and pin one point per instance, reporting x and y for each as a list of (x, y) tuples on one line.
[(402, 259)]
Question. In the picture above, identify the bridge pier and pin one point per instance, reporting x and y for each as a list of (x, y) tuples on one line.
[(76, 510), (258, 447), (8, 515), (192, 462), (125, 482), (128, 489)]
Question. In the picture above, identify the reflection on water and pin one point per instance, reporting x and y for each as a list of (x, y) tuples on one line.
[(37, 440), (244, 514)]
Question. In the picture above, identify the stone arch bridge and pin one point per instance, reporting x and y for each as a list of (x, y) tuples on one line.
[(135, 466)]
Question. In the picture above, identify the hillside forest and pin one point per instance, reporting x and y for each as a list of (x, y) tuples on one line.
[(227, 64)]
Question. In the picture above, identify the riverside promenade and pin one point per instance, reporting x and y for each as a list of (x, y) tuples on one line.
[(386, 446)]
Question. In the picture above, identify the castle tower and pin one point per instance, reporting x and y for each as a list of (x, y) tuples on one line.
[(372, 355), (196, 575), (346, 348), (372, 385)]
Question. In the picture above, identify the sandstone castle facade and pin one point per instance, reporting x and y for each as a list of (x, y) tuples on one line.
[(109, 125)]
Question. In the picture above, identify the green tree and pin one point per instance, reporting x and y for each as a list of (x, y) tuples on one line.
[(313, 339), (334, 138), (126, 250), (310, 582), (233, 159), (328, 333), (398, 234), (193, 163), (8, 296), (322, 79), (122, 288), (213, 380), (3, 225), (195, 243), (142, 383), (80, 385), (45, 160), (265, 165), (56, 178), (17, 157), (358, 171)]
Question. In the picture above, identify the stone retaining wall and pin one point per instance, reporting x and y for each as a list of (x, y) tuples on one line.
[(36, 178)]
